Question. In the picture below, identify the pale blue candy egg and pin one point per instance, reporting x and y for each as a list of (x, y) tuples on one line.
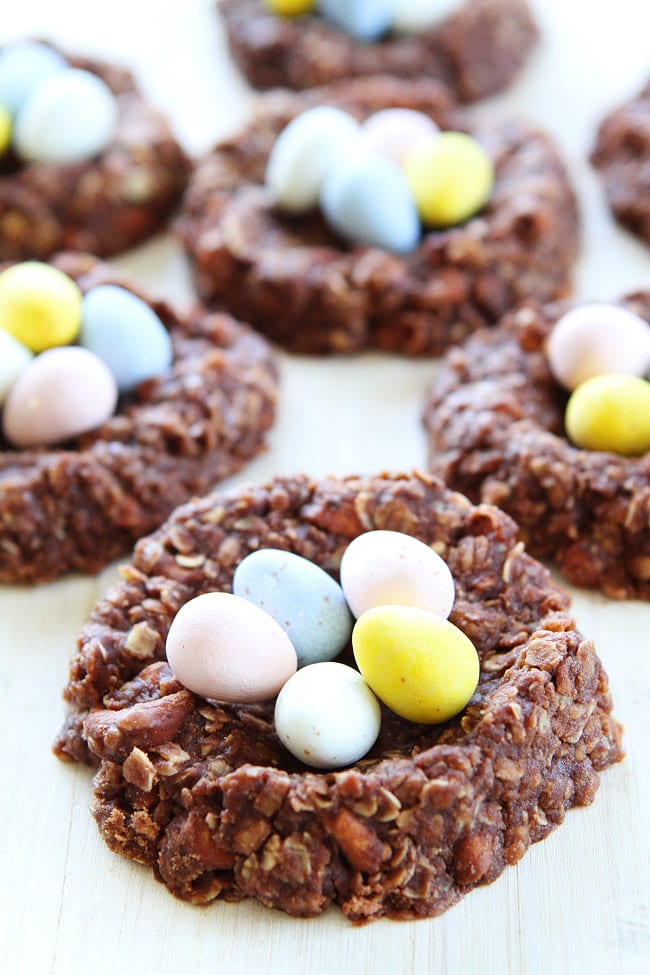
[(69, 118), (307, 603), (25, 65), (367, 200), (125, 333), (366, 20)]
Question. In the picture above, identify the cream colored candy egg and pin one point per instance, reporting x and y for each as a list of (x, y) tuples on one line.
[(421, 666), (598, 338), (610, 413), (391, 567), (225, 648), (413, 16), (14, 357), (327, 716), (290, 8), (451, 178), (39, 305), (61, 394)]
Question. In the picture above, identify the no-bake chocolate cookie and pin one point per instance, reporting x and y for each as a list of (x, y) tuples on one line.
[(495, 424), (81, 505), (476, 51), (294, 280), (103, 205), (206, 794), (622, 157)]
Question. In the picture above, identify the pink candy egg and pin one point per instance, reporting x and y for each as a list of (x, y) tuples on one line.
[(395, 132), (62, 393), (226, 648)]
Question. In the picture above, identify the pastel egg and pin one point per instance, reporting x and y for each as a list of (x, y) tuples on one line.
[(126, 334), (366, 199), (61, 394), (388, 567), (421, 666), (451, 178), (598, 338), (612, 413), (303, 599), (14, 357), (302, 154), (225, 648), (69, 118), (413, 16), (327, 716), (39, 305), (394, 132), (365, 20), (290, 8), (5, 130), (24, 66)]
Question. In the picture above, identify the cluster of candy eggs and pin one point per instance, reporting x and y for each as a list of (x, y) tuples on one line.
[(601, 354), (369, 20), (378, 183), (51, 390), (50, 112), (285, 622)]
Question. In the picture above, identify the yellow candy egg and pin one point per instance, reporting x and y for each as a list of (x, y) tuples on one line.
[(39, 305), (451, 178), (5, 129), (290, 8), (420, 665), (610, 412)]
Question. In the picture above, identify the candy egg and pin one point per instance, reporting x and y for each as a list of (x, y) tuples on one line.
[(366, 199), (394, 132), (303, 599), (225, 648), (5, 130), (39, 305), (61, 394), (303, 152), (599, 338), (24, 66), (381, 567), (125, 333), (69, 118), (412, 16), (14, 357), (421, 666), (327, 716), (366, 20), (610, 412), (451, 178), (290, 8)]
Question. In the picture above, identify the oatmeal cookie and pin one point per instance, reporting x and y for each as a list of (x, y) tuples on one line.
[(205, 793)]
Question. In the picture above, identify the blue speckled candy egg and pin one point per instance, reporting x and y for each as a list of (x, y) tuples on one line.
[(24, 65), (367, 20), (125, 333), (367, 200), (307, 603)]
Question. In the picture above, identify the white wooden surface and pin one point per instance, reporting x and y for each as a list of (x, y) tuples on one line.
[(578, 901)]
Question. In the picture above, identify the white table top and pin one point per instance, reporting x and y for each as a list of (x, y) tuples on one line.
[(578, 901)]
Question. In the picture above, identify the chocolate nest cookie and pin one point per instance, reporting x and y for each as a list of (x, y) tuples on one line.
[(294, 280), (476, 51), (206, 794), (622, 157), (174, 436), (102, 206), (495, 424)]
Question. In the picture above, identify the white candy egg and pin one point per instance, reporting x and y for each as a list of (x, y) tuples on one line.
[(14, 357), (394, 132), (381, 568), (327, 716), (302, 155), (413, 16), (69, 118), (62, 393)]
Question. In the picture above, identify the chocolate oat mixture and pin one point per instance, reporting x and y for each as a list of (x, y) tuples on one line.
[(205, 794)]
